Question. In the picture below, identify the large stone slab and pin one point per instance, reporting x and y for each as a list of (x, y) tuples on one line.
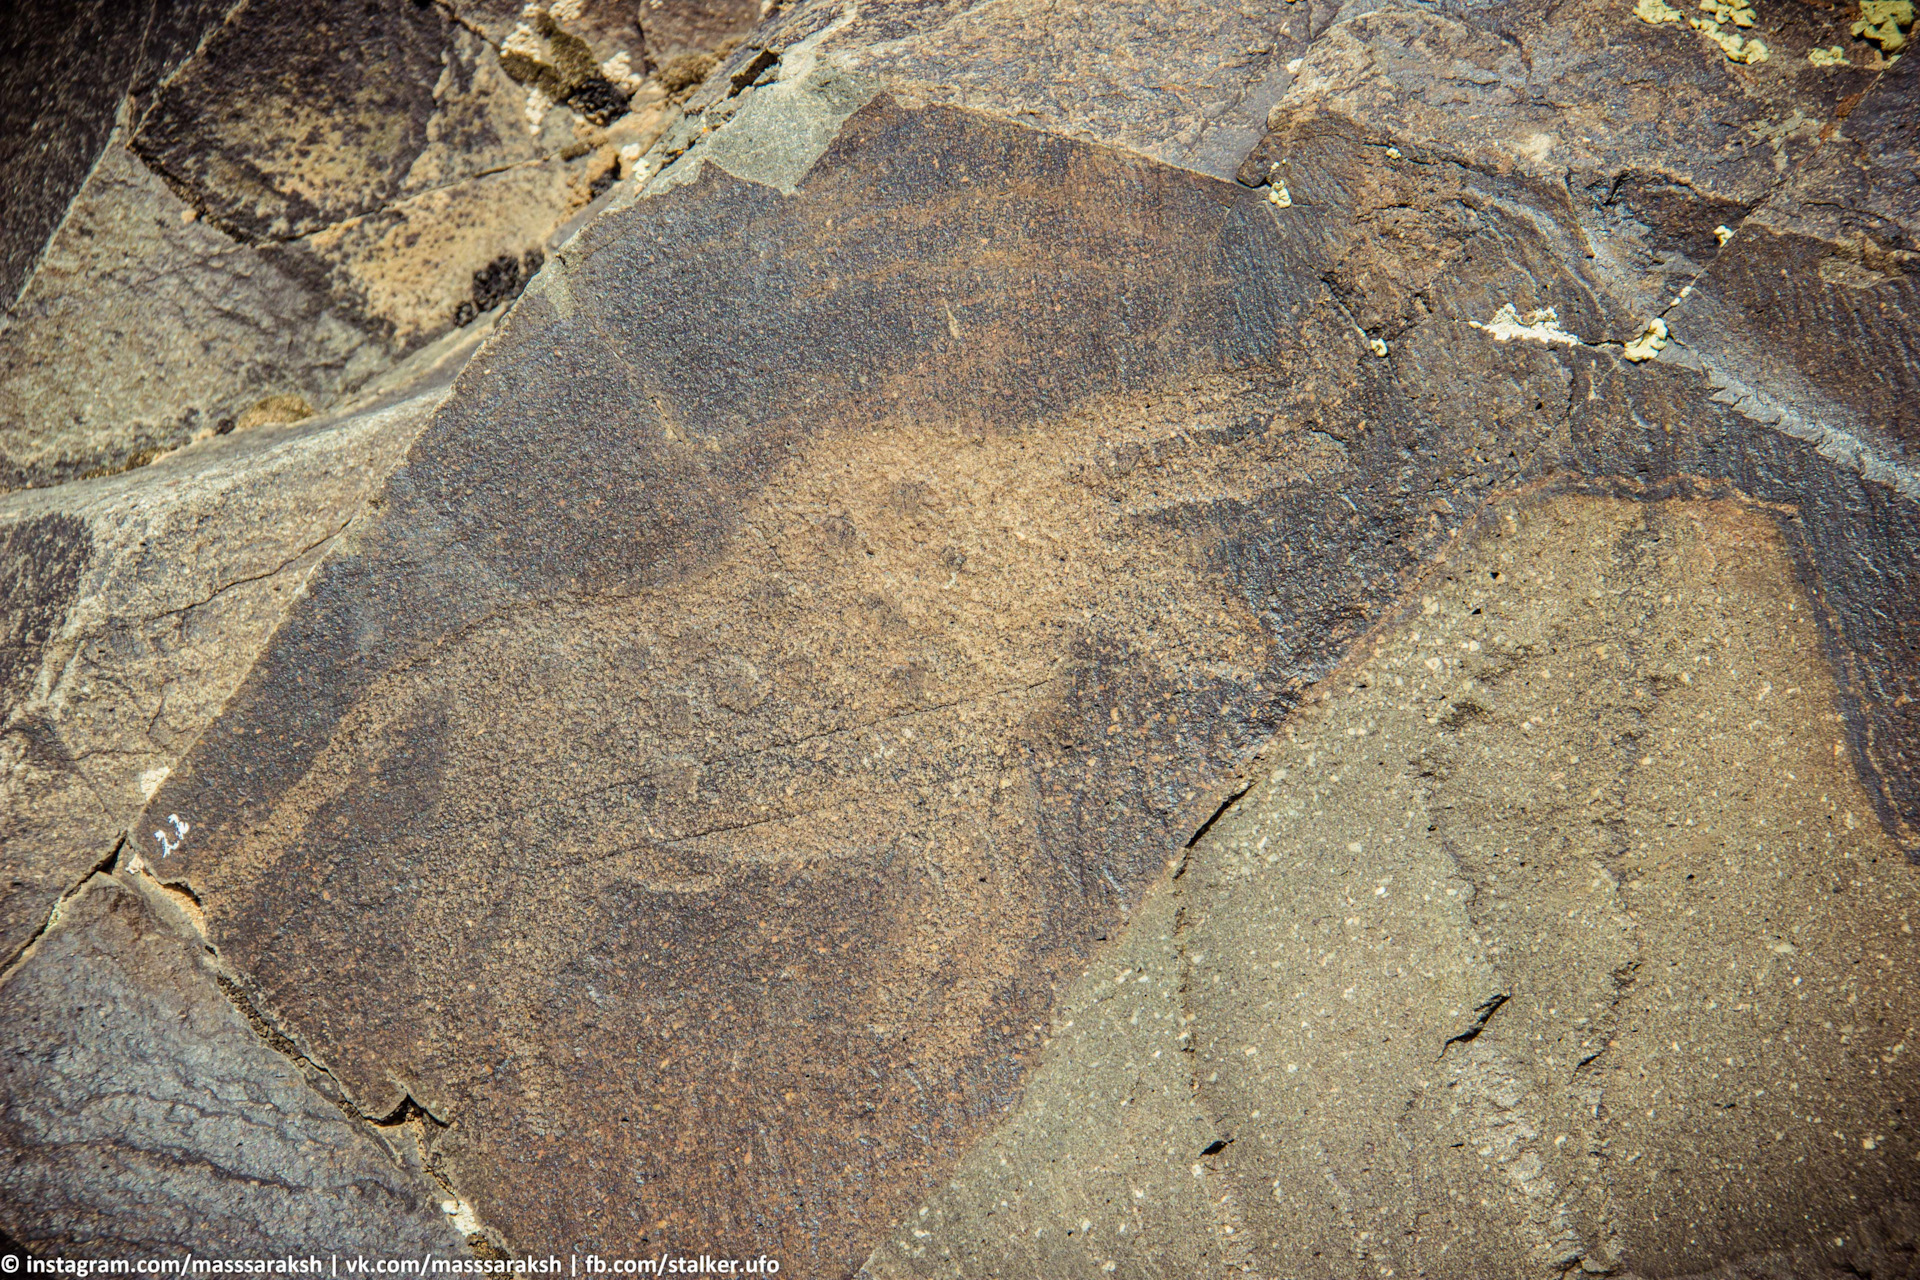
[(1555, 936), (732, 746), (802, 642)]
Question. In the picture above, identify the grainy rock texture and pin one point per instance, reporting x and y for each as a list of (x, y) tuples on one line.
[(140, 1113), (221, 204), (1554, 936), (768, 771), (136, 605)]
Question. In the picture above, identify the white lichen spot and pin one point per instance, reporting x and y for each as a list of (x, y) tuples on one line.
[(1542, 325), (465, 1221), (1378, 346), (566, 10), (1830, 56), (1393, 153), (1652, 340), (1737, 47), (524, 40), (1886, 23), (1722, 234), (538, 104), (150, 781), (1280, 196), (619, 70), (1656, 12)]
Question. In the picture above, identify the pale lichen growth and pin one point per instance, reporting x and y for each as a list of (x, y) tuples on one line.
[(1652, 340), (1722, 234), (1737, 47), (1542, 325), (619, 72), (538, 104), (1885, 22), (1738, 12), (465, 1220), (1279, 195), (1830, 56)]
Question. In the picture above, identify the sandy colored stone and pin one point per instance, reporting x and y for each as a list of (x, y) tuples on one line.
[(1552, 936), (143, 600)]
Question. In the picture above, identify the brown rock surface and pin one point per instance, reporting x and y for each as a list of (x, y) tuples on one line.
[(1553, 936), (781, 677)]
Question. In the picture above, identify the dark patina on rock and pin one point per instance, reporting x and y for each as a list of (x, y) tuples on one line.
[(815, 621)]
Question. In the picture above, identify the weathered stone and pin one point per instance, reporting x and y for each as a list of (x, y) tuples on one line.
[(678, 28), (753, 738), (1186, 84), (1554, 935), (69, 67), (140, 1113), (338, 180), (1644, 134), (1807, 317), (136, 605), (144, 326), (799, 646)]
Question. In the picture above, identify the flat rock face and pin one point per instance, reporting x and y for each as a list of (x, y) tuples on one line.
[(1555, 919), (276, 205), (139, 1112), (746, 742), (136, 605), (768, 771), (857, 739)]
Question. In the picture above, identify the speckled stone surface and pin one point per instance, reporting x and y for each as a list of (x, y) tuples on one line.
[(1021, 539), (139, 1113)]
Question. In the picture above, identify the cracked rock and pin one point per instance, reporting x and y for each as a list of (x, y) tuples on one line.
[(139, 1113), (760, 768), (137, 604), (1554, 918)]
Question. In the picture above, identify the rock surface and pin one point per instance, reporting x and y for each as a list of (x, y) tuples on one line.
[(1556, 921), (829, 633), (224, 204), (138, 603), (139, 1113)]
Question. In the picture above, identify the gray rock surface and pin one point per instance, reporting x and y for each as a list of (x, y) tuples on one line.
[(140, 1113), (759, 774), (138, 603), (1553, 936)]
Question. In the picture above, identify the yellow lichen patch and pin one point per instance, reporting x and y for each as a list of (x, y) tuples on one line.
[(1737, 47), (1281, 196), (1885, 22), (1656, 12), (282, 408), (1830, 56), (1738, 12), (1649, 343)]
